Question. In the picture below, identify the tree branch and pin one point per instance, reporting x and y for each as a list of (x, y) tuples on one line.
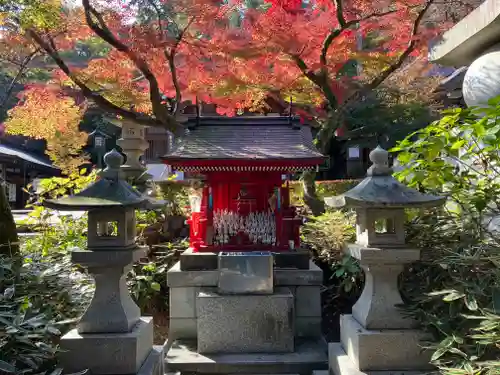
[(100, 29), (407, 52), (158, 16), (170, 56), (22, 68), (344, 25), (102, 102), (335, 119), (339, 11)]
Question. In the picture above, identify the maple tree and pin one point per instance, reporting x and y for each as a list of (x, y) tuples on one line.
[(46, 113), (300, 50), (237, 53)]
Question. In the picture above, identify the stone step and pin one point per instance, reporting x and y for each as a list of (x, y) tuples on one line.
[(309, 355)]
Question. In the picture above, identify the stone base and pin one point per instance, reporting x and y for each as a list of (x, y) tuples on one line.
[(341, 364), (118, 353), (304, 284), (391, 349), (154, 363), (298, 259), (198, 261), (309, 355), (190, 261), (245, 323)]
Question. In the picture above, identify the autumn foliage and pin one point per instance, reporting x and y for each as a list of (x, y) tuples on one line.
[(157, 54), (45, 113)]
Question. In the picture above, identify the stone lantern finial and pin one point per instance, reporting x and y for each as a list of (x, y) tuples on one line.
[(113, 161), (380, 163)]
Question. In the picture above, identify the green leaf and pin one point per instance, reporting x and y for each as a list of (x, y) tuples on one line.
[(458, 144), (471, 302), (453, 296), (496, 300), (155, 286), (7, 367), (438, 354), (457, 351), (53, 331)]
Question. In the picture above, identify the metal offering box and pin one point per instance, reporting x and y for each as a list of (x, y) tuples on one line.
[(245, 272)]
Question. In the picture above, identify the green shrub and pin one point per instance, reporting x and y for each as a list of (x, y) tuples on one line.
[(453, 292), (38, 302), (327, 234), (147, 281), (323, 189), (176, 195)]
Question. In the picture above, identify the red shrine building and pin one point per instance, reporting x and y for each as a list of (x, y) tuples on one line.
[(245, 163)]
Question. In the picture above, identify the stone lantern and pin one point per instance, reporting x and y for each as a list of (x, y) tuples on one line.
[(377, 336), (111, 336), (133, 145)]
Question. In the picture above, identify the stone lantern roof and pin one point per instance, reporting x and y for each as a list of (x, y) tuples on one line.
[(381, 190), (110, 191)]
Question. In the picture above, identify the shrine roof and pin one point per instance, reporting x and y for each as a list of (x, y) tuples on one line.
[(245, 138)]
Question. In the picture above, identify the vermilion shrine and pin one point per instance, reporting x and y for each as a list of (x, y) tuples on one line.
[(246, 161), (244, 298)]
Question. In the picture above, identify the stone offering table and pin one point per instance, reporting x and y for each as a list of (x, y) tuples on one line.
[(245, 316)]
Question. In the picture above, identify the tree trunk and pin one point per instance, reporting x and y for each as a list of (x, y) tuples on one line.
[(316, 205), (323, 139), (9, 241)]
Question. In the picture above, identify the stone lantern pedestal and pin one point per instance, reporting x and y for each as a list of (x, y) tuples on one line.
[(377, 336), (111, 337)]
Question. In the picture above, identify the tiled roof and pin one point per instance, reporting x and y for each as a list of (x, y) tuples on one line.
[(245, 138), (14, 153)]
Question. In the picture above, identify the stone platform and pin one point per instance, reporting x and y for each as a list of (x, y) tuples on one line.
[(341, 364), (305, 286), (309, 355), (206, 261), (245, 323)]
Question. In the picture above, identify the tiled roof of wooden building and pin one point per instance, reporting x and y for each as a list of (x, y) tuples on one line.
[(255, 138)]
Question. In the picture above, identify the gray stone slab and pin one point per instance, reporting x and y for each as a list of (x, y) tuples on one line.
[(309, 355), (308, 301), (381, 350), (282, 277), (469, 38), (178, 278), (295, 277), (154, 363), (182, 328), (107, 258), (190, 261), (340, 364), (245, 273), (245, 323), (118, 353), (298, 259), (370, 255), (308, 327), (183, 302)]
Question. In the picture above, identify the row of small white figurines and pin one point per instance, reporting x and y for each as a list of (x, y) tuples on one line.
[(259, 226)]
